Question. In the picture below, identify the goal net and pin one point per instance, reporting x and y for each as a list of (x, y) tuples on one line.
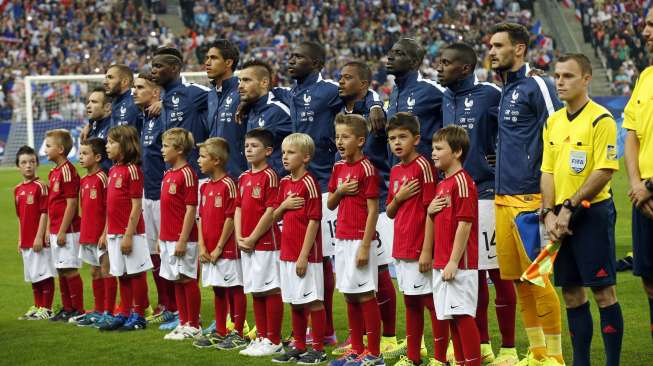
[(43, 103)]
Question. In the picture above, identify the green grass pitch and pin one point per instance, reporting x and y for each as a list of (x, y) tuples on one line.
[(45, 343)]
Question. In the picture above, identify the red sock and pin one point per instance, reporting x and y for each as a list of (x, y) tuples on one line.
[(172, 295), (110, 289), (318, 320), (356, 326), (260, 316), (481, 307), (161, 288), (299, 324), (506, 304), (47, 292), (220, 302), (126, 295), (180, 295), (372, 316), (65, 294), (36, 292), (139, 288), (274, 318), (193, 301), (440, 330), (76, 288), (414, 326), (457, 343), (469, 338), (98, 295), (239, 308), (329, 287), (387, 300)]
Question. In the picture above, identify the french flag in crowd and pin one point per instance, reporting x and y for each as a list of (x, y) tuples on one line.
[(537, 28), (568, 4)]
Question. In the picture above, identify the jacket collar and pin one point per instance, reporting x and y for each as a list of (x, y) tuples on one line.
[(309, 80), (512, 77), (463, 85), (227, 85), (258, 106), (172, 85), (411, 78)]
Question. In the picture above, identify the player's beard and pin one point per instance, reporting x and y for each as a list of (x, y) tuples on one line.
[(114, 92), (506, 66)]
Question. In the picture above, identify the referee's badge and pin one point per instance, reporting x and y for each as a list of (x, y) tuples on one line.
[(93, 193), (577, 160), (119, 182), (256, 192), (217, 202), (30, 199), (172, 189), (612, 152)]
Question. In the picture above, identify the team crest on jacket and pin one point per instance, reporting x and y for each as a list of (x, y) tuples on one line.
[(307, 100), (30, 199), (217, 202), (256, 192), (410, 102), (175, 100), (172, 189), (93, 193), (577, 160), (55, 188), (118, 182)]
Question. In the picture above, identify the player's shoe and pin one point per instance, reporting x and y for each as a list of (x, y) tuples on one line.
[(291, 354), (529, 360), (105, 318), (210, 340), (550, 361), (88, 319), (29, 313), (62, 316), (330, 340), (434, 362), (267, 348), (162, 317), (312, 357), (405, 361), (342, 347), (72, 316), (77, 318), (117, 322), (148, 311), (391, 349), (172, 323), (251, 334), (42, 314), (179, 333), (487, 355), (451, 354), (367, 359), (251, 347), (506, 357), (348, 356), (210, 329), (232, 341), (134, 322), (190, 332)]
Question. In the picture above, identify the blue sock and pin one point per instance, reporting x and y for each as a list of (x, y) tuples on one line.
[(581, 329), (612, 330)]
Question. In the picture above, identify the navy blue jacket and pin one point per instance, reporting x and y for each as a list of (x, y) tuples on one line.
[(473, 106), (125, 112), (271, 114), (100, 129), (153, 165), (526, 103), (423, 98), (223, 102)]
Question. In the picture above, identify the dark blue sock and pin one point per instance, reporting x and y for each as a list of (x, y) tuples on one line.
[(650, 310), (581, 329), (612, 330)]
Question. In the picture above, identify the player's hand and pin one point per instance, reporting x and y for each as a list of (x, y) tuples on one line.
[(61, 239), (154, 109), (245, 244), (38, 244), (449, 272), (562, 223), (425, 262), (239, 117), (377, 119), (550, 225), (102, 242), (638, 194), (491, 160), (126, 244), (436, 205), (292, 202), (205, 257), (300, 266), (407, 190), (84, 134), (536, 72), (46, 240), (348, 188), (362, 256), (180, 249), (215, 254)]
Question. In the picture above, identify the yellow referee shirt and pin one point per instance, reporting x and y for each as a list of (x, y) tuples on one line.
[(574, 148), (639, 118)]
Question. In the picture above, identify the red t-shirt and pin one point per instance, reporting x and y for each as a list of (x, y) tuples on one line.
[(411, 216), (31, 201), (257, 192), (295, 222), (352, 210), (178, 190), (64, 184), (125, 183), (462, 205), (218, 203), (93, 201)]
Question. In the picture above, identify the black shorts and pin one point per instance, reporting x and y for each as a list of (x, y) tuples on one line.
[(587, 258), (642, 245)]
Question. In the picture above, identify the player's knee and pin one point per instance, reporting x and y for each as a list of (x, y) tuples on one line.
[(574, 296), (605, 295), (648, 286), (96, 273)]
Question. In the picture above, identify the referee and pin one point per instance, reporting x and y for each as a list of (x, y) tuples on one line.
[(578, 161)]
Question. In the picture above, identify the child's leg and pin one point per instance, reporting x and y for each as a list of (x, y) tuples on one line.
[(457, 343), (36, 292), (126, 295), (318, 320), (440, 330), (506, 305), (47, 292), (329, 287), (76, 289), (220, 301), (193, 301), (66, 302), (110, 291), (414, 325), (98, 290), (481, 307), (274, 317), (260, 316), (469, 339), (170, 287), (386, 297), (356, 323), (239, 308), (161, 287), (299, 325), (372, 316), (139, 288)]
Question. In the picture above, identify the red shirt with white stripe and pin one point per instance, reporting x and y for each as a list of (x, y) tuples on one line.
[(31, 201), (462, 206), (218, 203), (125, 183), (93, 201), (411, 215), (178, 190), (64, 184), (352, 210), (257, 192), (295, 222)]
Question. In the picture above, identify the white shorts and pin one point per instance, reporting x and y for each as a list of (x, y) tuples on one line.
[(152, 220), (410, 280), (224, 273), (37, 266), (385, 230), (91, 254), (487, 248), (172, 267), (457, 297), (260, 271), (136, 262), (351, 279), (328, 225), (301, 290), (66, 256)]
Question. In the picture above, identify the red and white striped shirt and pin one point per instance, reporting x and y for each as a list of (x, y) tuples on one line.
[(125, 183), (257, 192), (31, 202), (93, 201), (218, 203), (64, 184), (178, 190)]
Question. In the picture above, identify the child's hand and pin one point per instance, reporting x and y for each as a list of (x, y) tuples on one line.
[(180, 249), (126, 245), (437, 205), (425, 262), (46, 240), (348, 188), (215, 254), (362, 256), (449, 272), (102, 242), (61, 239), (245, 244), (38, 245), (204, 255), (300, 266), (292, 202), (407, 190)]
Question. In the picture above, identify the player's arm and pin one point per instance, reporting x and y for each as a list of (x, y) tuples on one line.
[(227, 231), (459, 245), (40, 233), (203, 254), (347, 188), (47, 232), (292, 202), (426, 256), (307, 246), (132, 223), (263, 225), (237, 224), (68, 215), (363, 255), (187, 227)]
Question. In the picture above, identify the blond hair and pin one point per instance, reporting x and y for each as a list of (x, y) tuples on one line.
[(62, 138), (217, 148), (356, 122), (303, 142), (181, 139)]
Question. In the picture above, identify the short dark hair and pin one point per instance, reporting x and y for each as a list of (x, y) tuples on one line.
[(98, 146), (165, 50), (128, 139), (99, 89), (517, 33), (356, 122), (146, 76), (228, 50), (415, 50), (316, 51), (26, 150), (260, 65), (456, 137), (364, 72), (264, 136), (582, 61), (404, 121), (124, 71), (464, 52)]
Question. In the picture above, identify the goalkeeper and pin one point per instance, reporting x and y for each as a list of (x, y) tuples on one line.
[(578, 161)]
